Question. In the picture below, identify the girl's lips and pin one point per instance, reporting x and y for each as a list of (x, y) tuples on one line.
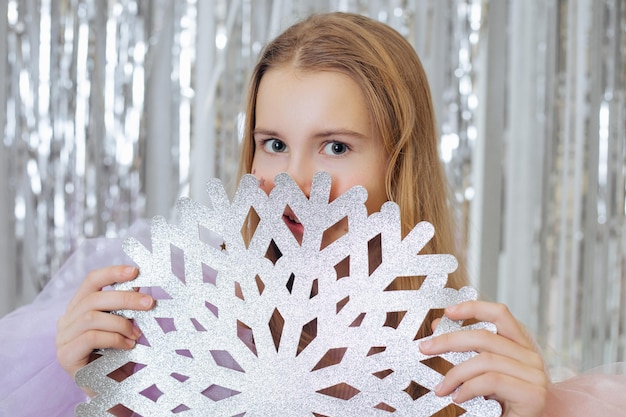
[(294, 225)]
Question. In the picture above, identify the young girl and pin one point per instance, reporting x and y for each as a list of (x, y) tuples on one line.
[(347, 95)]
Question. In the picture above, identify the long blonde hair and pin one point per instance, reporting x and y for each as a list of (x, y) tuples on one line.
[(396, 90)]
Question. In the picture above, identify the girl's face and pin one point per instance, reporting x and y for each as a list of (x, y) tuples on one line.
[(317, 121)]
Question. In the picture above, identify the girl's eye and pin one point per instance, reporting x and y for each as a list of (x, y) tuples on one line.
[(335, 148), (274, 146)]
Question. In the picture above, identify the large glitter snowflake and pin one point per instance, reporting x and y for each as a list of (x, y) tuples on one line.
[(272, 327)]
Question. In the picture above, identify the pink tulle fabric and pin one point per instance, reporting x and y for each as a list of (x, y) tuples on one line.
[(597, 393), (32, 383)]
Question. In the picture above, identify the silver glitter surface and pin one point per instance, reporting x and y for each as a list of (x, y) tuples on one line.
[(208, 348)]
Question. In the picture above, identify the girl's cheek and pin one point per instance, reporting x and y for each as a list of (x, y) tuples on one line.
[(266, 182), (265, 185)]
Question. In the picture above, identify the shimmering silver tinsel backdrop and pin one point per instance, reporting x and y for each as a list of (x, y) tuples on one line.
[(111, 110)]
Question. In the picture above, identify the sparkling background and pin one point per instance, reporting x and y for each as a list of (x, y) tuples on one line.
[(112, 110)]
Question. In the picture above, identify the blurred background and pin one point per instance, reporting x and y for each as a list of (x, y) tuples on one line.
[(112, 110)]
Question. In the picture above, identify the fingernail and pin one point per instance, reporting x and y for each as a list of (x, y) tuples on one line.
[(137, 333), (451, 309), (146, 301), (426, 344), (438, 388), (454, 395), (129, 271)]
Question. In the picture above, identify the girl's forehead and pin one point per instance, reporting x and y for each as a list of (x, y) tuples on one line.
[(290, 92), (299, 72), (292, 82)]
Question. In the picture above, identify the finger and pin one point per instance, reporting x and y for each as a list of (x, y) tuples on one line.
[(75, 354), (99, 321), (485, 363), (97, 279), (480, 341), (503, 388), (434, 324), (108, 301), (495, 313)]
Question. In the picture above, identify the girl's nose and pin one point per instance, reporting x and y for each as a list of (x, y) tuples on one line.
[(301, 170)]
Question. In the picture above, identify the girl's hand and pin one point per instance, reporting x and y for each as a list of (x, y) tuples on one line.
[(508, 367), (87, 323)]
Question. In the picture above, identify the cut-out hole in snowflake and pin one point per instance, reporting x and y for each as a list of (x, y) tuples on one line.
[(415, 390), (122, 372), (276, 325), (314, 289), (394, 318), (210, 238), (166, 324), (158, 293), (273, 253), (425, 329), (342, 269), (225, 360), (179, 377), (376, 349), (452, 410), (244, 333), (384, 407), (334, 233), (180, 408), (209, 275), (143, 341), (358, 320), (290, 282), (196, 324), (212, 308), (218, 393), (258, 323), (238, 291), (177, 261), (342, 391), (374, 249), (383, 374), (184, 352), (330, 358), (342, 303), (152, 392), (249, 226), (406, 283), (259, 283), (309, 333), (438, 364), (120, 410)]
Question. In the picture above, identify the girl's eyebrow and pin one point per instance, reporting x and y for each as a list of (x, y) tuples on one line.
[(264, 132), (340, 132), (322, 134)]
